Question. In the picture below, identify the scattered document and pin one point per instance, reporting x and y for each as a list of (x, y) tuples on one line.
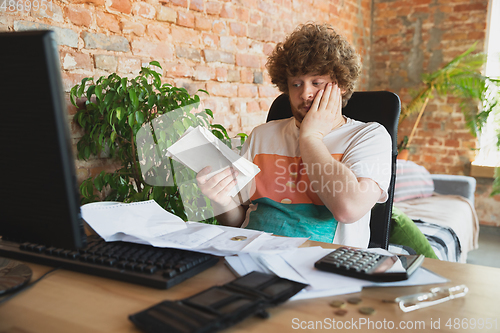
[(145, 219), (298, 265), (198, 148), (245, 250), (146, 222)]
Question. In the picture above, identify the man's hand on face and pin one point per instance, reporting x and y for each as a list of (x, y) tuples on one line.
[(217, 187), (325, 113)]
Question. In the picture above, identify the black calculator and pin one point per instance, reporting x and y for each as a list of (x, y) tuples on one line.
[(363, 264)]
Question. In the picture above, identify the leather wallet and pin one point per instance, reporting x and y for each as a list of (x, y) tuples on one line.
[(218, 307)]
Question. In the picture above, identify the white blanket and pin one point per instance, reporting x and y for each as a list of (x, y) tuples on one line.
[(452, 211)]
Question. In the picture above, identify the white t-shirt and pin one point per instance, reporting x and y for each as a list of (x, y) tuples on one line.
[(365, 148)]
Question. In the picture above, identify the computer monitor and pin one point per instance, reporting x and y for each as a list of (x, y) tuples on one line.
[(39, 200)]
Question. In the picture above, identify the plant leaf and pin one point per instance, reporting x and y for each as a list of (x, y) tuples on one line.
[(155, 63), (133, 98)]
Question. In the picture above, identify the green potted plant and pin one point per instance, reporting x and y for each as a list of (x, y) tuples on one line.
[(116, 111), (462, 78)]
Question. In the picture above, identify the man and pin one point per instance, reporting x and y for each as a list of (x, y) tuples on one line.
[(321, 173)]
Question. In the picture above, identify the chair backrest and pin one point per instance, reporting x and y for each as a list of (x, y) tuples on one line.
[(383, 107)]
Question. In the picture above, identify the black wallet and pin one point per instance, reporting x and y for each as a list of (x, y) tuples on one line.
[(218, 307)]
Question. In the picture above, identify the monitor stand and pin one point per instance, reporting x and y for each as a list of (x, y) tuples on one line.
[(13, 275)]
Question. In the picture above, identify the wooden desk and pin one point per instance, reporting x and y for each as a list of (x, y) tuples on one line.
[(69, 302)]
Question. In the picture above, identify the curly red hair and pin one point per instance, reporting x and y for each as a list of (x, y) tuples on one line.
[(315, 49)]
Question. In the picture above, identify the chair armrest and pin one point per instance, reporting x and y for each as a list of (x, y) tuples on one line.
[(455, 184)]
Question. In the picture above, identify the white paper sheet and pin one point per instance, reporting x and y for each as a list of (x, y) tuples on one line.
[(298, 265), (198, 148), (147, 223), (145, 219)]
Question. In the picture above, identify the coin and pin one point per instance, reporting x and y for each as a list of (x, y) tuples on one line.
[(337, 304), (367, 310), (340, 312), (239, 238), (354, 300)]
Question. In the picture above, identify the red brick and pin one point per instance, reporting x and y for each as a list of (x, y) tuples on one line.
[(180, 70), (246, 75), (429, 159), (167, 14), (462, 135), (255, 17), (108, 22), (180, 3), (210, 40), (123, 6), (204, 73), (476, 35), (222, 89), (267, 91), (188, 53), (233, 75), (243, 14), (196, 5), (219, 27), (202, 23), (446, 160), (213, 7), (130, 27), (71, 79), (129, 65), (264, 105), (158, 31), (454, 36), (452, 143), (269, 9), (76, 60), (253, 107), (268, 49), (143, 9), (227, 11), (470, 7), (218, 56), (184, 36), (79, 16), (435, 141), (221, 74), (433, 125), (247, 90), (185, 19), (248, 60), (157, 51)]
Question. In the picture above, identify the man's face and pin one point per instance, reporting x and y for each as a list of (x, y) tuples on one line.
[(302, 89)]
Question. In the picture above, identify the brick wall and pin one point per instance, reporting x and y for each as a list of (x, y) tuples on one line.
[(216, 45), (415, 37), (420, 36)]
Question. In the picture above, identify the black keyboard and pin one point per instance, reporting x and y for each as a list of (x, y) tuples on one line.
[(136, 263)]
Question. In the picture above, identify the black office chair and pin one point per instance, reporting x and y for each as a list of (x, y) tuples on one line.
[(383, 107)]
